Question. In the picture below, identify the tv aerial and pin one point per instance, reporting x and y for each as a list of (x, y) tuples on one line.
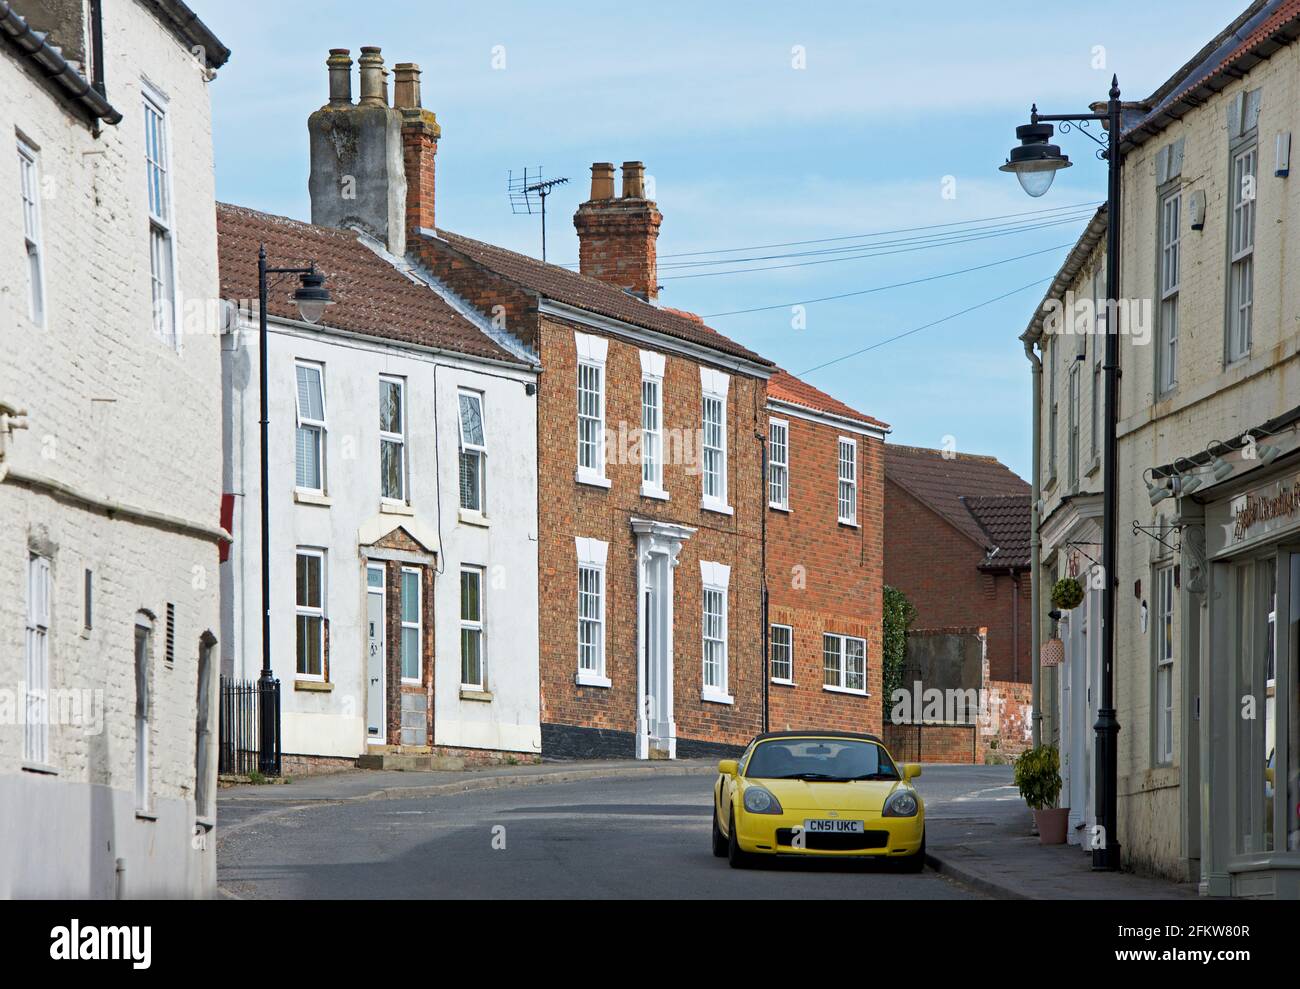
[(528, 195)]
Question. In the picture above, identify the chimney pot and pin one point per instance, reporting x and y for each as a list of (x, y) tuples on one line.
[(374, 85), (406, 88), (602, 180), (340, 70), (633, 180)]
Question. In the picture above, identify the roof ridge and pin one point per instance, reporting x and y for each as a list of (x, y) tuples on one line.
[(948, 455)]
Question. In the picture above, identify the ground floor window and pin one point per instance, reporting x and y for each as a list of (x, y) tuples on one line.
[(844, 663), (471, 628), (36, 734), (143, 705), (310, 587), (412, 647), (782, 653)]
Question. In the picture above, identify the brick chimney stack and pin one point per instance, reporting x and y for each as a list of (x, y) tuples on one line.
[(420, 133), (358, 174), (617, 236)]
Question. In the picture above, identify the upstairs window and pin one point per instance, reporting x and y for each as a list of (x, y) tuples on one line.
[(1241, 247), (591, 351), (1171, 207), (848, 475), (714, 386), (310, 444), (844, 664), (778, 464), (473, 450), (1072, 428), (392, 439), (161, 247), (30, 193)]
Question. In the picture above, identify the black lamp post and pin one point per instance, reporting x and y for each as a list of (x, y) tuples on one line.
[(312, 297), (1035, 163)]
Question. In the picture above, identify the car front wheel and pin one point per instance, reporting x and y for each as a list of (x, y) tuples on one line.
[(719, 842), (738, 857)]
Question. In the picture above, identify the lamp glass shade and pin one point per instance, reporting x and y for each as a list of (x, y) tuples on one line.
[(1036, 182), (312, 297), (311, 310)]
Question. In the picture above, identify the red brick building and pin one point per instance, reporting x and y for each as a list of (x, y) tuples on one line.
[(957, 544), (825, 560)]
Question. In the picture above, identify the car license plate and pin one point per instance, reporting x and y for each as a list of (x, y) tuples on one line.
[(832, 826)]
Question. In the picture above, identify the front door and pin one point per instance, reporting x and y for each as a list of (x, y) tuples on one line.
[(377, 655), (657, 731)]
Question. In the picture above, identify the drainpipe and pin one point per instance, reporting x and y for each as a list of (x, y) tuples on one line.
[(1035, 565)]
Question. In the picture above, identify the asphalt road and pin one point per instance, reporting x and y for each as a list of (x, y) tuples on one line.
[(641, 839)]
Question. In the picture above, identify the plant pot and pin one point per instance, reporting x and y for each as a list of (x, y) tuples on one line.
[(1052, 825)]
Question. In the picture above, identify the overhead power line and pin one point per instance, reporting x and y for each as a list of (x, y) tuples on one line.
[(883, 288), (926, 326)]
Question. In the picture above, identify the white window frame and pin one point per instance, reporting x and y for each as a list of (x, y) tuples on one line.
[(778, 464), (29, 184), (1073, 429), (395, 439), (1241, 251), (592, 555), (36, 724), (307, 423), (1170, 275), (652, 425), (310, 612), (472, 450), (841, 669), (788, 645), (1164, 666), (1100, 324), (714, 388), (143, 669), (473, 624), (715, 579), (159, 200), (847, 475), (592, 352), (417, 625)]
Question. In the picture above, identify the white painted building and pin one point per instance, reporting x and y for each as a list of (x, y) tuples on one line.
[(110, 451), (403, 508)]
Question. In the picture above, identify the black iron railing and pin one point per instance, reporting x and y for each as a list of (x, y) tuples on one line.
[(242, 705)]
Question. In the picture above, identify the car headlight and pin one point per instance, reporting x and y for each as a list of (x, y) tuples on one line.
[(902, 803), (760, 801)]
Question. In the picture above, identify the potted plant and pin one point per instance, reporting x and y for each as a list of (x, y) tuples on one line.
[(1038, 777), (1067, 594)]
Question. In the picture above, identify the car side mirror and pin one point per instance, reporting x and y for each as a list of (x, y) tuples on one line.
[(911, 770), (728, 767)]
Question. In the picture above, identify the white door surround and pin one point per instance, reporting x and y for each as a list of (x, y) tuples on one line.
[(658, 549)]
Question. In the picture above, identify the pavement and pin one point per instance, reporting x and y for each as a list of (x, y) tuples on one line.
[(617, 829)]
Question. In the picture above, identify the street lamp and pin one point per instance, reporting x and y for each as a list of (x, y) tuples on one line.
[(1035, 163), (311, 297)]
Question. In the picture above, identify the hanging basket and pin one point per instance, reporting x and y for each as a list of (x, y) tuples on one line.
[(1052, 653), (1067, 594)]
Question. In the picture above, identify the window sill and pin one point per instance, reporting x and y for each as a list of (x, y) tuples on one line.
[(316, 686), (39, 769), (717, 506), (593, 480), (659, 494), (714, 697), (844, 690), (1093, 467), (777, 682), (476, 694), (847, 524), (584, 679), (312, 498), (469, 517), (395, 508), (779, 508)]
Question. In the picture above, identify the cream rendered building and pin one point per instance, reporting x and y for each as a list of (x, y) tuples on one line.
[(1208, 588)]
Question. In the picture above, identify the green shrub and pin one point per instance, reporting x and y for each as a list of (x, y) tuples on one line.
[(1038, 776), (1067, 593), (898, 618)]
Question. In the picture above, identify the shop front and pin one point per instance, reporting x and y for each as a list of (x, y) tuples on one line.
[(1249, 729)]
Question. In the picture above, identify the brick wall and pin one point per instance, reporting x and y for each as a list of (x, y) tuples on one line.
[(568, 509), (936, 566), (824, 576)]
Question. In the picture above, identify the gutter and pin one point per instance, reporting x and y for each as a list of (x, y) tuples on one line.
[(1035, 563), (54, 66)]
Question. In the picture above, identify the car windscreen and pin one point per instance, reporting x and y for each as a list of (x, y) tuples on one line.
[(820, 758)]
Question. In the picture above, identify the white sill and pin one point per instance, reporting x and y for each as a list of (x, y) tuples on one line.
[(592, 479), (847, 524), (778, 508), (657, 493), (713, 697), (395, 508), (312, 498), (585, 679), (844, 690), (717, 506), (475, 694), (783, 683), (1093, 467), (39, 768), (469, 517)]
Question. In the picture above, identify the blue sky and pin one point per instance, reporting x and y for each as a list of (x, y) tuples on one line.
[(745, 149)]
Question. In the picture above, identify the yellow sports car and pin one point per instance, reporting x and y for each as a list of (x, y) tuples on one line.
[(828, 794)]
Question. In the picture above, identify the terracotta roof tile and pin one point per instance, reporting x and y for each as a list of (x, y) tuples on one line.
[(574, 289), (371, 296), (1006, 524), (785, 387), (942, 483)]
